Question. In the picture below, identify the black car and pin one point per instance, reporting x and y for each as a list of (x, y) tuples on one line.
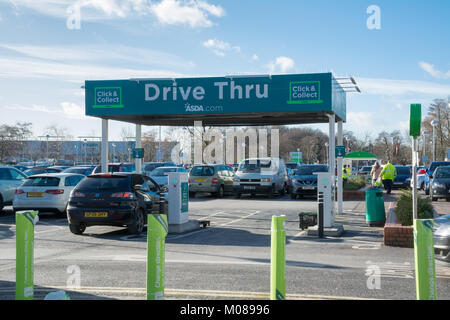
[(116, 199), (440, 183), (304, 181)]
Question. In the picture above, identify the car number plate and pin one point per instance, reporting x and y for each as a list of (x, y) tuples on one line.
[(200, 180), (89, 214), (308, 188), (35, 194), (249, 187)]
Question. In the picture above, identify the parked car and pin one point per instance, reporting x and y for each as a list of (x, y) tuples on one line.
[(20, 167), (216, 179), (440, 183), (115, 199), (36, 170), (421, 175), (403, 177), (148, 167), (364, 170), (304, 181), (430, 171), (441, 236), (10, 179), (160, 175), (59, 167), (84, 170), (46, 192), (117, 167), (261, 176)]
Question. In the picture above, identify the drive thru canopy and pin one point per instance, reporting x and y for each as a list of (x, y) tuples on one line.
[(220, 101)]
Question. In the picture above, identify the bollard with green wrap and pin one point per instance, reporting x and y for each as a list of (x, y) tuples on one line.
[(278, 259), (25, 222), (157, 228), (424, 259)]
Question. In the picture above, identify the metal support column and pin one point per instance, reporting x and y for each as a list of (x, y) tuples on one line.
[(138, 161), (104, 146), (340, 142)]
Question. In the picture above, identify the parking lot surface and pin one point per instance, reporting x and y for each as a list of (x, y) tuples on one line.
[(230, 259)]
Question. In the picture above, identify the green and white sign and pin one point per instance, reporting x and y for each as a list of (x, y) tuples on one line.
[(340, 151), (138, 153), (296, 157), (108, 97), (149, 98), (184, 196), (424, 259), (25, 222), (157, 229)]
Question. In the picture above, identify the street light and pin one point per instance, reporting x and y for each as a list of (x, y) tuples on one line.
[(326, 149), (114, 152), (434, 124)]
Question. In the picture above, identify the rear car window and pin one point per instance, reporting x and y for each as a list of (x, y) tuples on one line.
[(105, 182), (443, 172), (202, 171), (309, 170), (403, 170), (41, 182)]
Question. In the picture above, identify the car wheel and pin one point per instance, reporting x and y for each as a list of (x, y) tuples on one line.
[(293, 196), (192, 195), (283, 191), (427, 192), (422, 186), (219, 193), (1, 203), (237, 195), (271, 193), (433, 198), (137, 226), (77, 228)]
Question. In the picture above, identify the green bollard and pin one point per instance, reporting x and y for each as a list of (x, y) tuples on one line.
[(424, 259), (157, 228), (25, 222), (278, 259)]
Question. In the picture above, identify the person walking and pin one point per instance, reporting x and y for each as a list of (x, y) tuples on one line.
[(388, 175), (375, 173), (345, 173)]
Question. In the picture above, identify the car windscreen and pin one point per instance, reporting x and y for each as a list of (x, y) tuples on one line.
[(250, 166), (443, 172), (104, 183), (309, 170), (403, 171), (160, 172), (438, 164), (202, 171), (41, 182), (291, 165)]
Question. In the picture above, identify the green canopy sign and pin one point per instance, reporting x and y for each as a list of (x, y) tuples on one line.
[(296, 98), (360, 155)]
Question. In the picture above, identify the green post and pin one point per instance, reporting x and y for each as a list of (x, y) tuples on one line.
[(424, 259), (25, 222), (157, 228), (278, 259)]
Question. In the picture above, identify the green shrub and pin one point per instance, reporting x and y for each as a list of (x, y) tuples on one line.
[(404, 211), (354, 183)]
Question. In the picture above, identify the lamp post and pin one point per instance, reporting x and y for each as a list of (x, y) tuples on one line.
[(326, 149), (47, 136), (114, 152), (433, 124)]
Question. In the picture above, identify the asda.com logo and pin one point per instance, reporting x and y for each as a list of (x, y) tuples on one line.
[(108, 97), (304, 92)]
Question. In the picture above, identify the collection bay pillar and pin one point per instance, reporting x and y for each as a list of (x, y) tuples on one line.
[(340, 142), (104, 146), (138, 161)]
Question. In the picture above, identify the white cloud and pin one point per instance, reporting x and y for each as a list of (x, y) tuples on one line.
[(219, 47), (281, 65), (68, 110), (255, 57), (192, 13), (72, 110), (195, 13), (401, 87), (101, 54), (430, 69)]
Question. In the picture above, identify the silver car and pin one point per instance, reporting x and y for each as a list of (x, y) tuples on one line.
[(160, 175), (441, 237), (10, 179)]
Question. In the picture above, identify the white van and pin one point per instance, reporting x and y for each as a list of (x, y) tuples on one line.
[(260, 176)]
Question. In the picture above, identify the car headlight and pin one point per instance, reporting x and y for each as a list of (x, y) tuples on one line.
[(443, 230), (236, 179), (265, 180), (295, 181), (438, 185)]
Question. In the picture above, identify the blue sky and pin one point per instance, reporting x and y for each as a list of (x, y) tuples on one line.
[(44, 62)]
